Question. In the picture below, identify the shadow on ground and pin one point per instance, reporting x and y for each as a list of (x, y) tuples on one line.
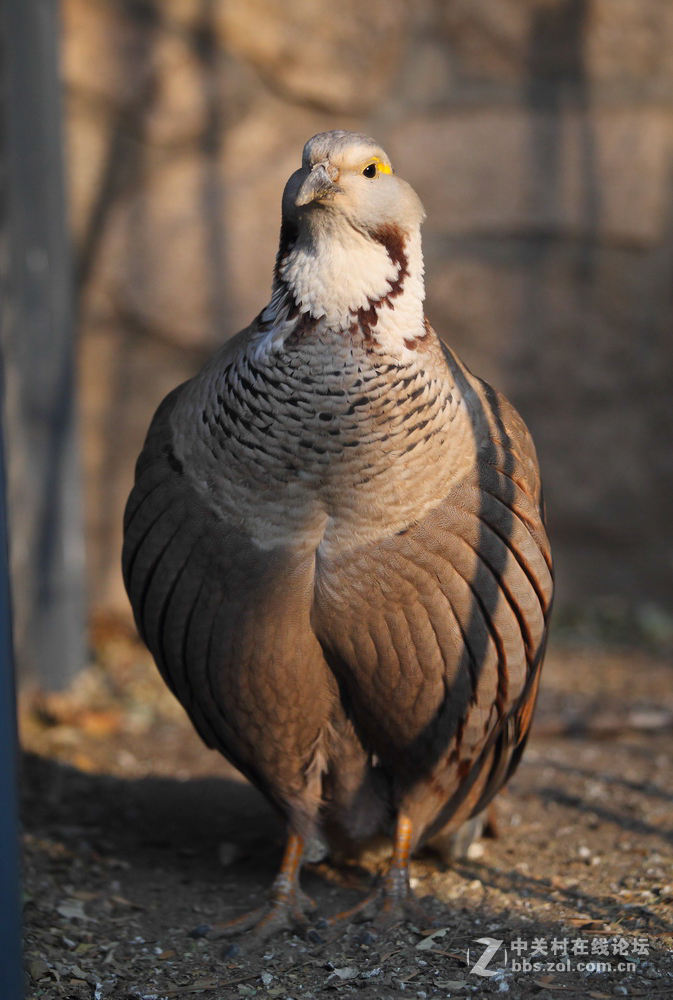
[(135, 833)]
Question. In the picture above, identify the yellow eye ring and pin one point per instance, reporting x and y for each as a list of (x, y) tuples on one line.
[(376, 166)]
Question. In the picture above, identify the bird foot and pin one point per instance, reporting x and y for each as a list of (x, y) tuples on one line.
[(286, 909), (392, 903)]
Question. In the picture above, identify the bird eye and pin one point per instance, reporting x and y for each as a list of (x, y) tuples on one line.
[(370, 170)]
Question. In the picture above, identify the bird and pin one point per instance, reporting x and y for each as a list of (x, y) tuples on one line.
[(335, 544)]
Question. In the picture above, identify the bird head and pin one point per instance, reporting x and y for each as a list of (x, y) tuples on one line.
[(347, 178), (350, 239)]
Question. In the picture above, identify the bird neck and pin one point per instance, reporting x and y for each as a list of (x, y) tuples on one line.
[(334, 277)]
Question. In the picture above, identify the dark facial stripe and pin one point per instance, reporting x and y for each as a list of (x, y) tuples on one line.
[(288, 238), (393, 239)]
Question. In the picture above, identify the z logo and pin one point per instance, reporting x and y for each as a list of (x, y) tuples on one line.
[(479, 968)]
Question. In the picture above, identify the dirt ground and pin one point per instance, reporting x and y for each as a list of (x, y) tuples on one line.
[(135, 833)]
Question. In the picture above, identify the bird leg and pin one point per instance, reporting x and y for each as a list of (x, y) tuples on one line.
[(286, 907), (393, 901)]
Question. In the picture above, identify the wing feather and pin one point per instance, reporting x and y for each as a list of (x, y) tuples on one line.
[(437, 634)]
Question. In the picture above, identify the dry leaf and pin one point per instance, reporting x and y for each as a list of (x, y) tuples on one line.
[(348, 972), (586, 925), (83, 763), (561, 882), (427, 942), (100, 723), (37, 968), (72, 909), (123, 901)]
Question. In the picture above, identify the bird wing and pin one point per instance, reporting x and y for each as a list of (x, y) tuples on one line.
[(436, 634), (212, 606)]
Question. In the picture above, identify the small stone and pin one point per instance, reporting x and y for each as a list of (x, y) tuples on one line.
[(315, 850), (365, 938), (201, 931)]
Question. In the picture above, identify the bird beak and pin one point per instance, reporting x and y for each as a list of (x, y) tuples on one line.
[(319, 184)]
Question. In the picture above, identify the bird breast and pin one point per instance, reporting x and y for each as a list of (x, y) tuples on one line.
[(325, 444)]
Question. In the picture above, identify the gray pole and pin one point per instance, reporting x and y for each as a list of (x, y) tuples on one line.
[(11, 975), (37, 339)]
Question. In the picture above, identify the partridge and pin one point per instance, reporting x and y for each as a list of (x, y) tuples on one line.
[(335, 546)]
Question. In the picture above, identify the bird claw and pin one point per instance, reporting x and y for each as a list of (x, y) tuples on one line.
[(396, 910), (280, 913), (392, 903)]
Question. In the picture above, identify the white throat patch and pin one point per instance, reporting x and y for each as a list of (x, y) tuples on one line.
[(338, 274)]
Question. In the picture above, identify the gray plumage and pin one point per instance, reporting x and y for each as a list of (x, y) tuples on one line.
[(334, 546)]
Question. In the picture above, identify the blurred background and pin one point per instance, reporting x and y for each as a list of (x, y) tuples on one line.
[(538, 134)]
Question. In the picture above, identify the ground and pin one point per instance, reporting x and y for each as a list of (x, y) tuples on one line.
[(135, 833)]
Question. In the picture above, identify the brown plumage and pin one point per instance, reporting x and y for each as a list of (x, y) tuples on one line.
[(335, 546)]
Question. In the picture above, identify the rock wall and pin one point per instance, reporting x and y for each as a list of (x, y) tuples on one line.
[(538, 134)]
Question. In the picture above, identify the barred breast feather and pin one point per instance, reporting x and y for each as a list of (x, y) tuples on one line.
[(270, 545)]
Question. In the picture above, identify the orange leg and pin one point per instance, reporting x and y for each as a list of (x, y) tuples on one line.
[(396, 881), (393, 901), (285, 908)]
